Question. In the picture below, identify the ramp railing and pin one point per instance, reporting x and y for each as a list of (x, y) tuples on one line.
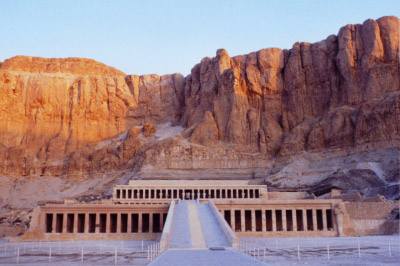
[(167, 228)]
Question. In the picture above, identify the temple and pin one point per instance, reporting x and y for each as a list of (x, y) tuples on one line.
[(146, 209)]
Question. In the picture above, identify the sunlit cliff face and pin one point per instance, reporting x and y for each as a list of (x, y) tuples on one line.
[(269, 104)]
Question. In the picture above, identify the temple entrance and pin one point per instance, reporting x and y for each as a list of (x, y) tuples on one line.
[(188, 194)]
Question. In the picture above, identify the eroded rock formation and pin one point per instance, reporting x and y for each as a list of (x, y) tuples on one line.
[(291, 117), (312, 97)]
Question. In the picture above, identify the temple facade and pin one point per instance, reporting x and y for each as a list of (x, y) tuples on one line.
[(140, 210)]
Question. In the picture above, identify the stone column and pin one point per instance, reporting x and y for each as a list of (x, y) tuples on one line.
[(86, 226), (324, 223), (242, 221), (253, 220), (129, 224), (65, 221), (118, 222), (233, 222), (314, 219), (339, 211), (161, 222), (284, 227), (54, 223), (75, 222), (140, 222), (108, 223), (273, 220), (97, 225), (150, 222), (294, 219), (305, 224), (263, 221)]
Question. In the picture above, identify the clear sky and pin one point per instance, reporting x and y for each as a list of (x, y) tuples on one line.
[(148, 36)]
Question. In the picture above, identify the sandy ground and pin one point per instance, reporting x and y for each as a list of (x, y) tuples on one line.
[(374, 250), (74, 253)]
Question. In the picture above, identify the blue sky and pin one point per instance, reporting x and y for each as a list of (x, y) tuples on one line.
[(145, 37)]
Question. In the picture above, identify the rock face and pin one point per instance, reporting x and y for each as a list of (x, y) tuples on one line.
[(251, 116), (312, 97), (51, 109)]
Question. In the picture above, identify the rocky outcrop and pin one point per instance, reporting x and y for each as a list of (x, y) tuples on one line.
[(250, 114), (54, 112), (159, 98), (311, 97)]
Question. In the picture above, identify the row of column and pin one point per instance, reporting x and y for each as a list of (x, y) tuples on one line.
[(104, 222), (265, 220), (147, 193)]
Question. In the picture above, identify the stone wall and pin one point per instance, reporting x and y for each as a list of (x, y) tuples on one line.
[(370, 218), (370, 210)]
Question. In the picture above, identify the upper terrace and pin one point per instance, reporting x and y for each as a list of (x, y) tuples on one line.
[(188, 189)]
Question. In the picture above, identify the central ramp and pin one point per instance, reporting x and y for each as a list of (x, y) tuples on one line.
[(213, 234), (195, 226), (199, 237), (196, 231), (180, 229)]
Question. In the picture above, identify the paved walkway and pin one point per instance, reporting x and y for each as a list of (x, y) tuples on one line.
[(204, 258), (213, 233), (196, 232), (180, 231)]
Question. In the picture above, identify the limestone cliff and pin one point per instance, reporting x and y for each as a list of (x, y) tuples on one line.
[(334, 93), (289, 117), (54, 113)]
